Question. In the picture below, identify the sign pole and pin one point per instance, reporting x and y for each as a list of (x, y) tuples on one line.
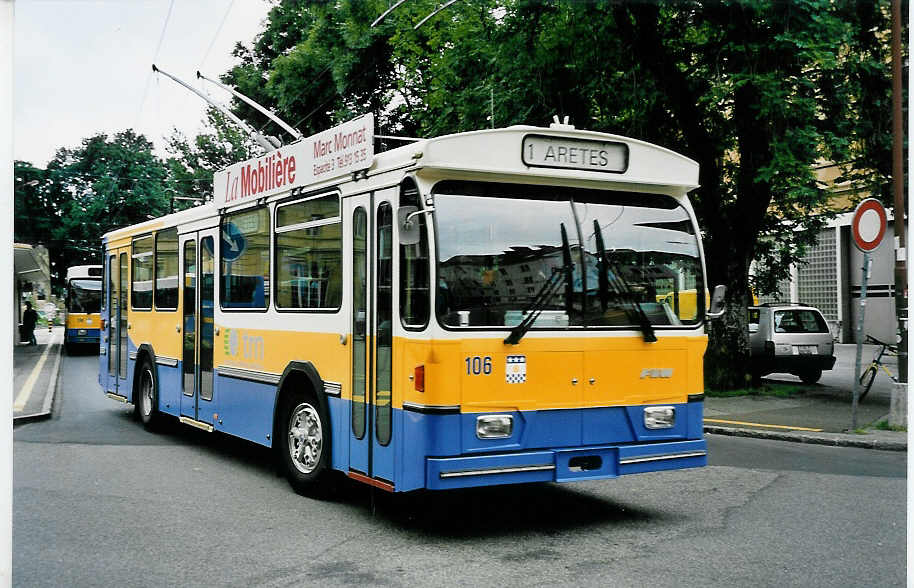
[(867, 228), (863, 281)]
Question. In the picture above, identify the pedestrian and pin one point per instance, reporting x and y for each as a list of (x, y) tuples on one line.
[(28, 322)]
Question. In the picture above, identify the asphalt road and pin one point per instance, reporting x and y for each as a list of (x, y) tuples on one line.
[(100, 502)]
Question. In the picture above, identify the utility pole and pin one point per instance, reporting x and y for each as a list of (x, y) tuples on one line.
[(898, 410)]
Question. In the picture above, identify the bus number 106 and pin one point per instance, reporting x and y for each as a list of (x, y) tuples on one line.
[(479, 365)]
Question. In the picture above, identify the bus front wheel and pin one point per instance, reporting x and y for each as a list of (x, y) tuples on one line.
[(303, 442)]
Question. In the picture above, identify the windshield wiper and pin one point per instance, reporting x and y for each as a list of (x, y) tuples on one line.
[(602, 265), (625, 292), (620, 286), (546, 292)]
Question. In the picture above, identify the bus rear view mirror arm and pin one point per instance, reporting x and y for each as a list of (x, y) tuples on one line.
[(718, 306)]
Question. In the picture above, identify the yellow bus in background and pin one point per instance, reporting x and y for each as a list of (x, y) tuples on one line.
[(82, 321)]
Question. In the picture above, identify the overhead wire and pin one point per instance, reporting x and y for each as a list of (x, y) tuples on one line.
[(216, 36), (139, 113), (212, 43)]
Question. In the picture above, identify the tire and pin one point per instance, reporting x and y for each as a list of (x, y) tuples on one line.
[(810, 376), (303, 443), (866, 381), (146, 396)]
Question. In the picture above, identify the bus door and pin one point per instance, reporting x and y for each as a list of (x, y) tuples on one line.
[(114, 334), (198, 271), (371, 440)]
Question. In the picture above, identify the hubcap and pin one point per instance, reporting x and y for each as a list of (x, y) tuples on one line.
[(146, 393), (305, 438)]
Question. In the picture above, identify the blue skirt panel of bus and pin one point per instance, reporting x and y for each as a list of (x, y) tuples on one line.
[(555, 436), (90, 336), (244, 409)]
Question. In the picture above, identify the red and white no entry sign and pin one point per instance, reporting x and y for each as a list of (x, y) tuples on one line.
[(869, 224)]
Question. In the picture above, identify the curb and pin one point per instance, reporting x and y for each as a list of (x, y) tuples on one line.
[(833, 439), (47, 407)]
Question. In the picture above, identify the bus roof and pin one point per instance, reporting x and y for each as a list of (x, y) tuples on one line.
[(555, 154), (84, 272)]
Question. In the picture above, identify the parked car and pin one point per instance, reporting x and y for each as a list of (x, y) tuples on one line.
[(789, 338)]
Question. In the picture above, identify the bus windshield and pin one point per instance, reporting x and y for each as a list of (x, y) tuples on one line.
[(85, 296), (504, 252)]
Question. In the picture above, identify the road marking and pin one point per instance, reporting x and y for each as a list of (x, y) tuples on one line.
[(23, 397), (761, 425)]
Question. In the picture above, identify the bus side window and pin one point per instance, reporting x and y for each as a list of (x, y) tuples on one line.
[(166, 267), (414, 266), (309, 254), (245, 259), (141, 276)]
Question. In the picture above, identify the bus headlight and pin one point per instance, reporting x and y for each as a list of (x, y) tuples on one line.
[(80, 331), (494, 426), (659, 417)]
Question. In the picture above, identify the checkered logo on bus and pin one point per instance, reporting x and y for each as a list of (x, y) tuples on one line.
[(516, 369)]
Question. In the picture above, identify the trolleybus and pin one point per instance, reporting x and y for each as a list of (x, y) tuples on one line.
[(490, 307), (83, 300)]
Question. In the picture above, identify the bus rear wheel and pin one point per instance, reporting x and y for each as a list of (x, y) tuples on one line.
[(303, 443), (146, 402)]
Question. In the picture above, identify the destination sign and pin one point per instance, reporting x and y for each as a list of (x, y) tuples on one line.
[(581, 154), (330, 154)]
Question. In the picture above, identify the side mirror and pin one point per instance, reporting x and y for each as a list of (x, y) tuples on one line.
[(717, 303), (409, 231), (409, 228)]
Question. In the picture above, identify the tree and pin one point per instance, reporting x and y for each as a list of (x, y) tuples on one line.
[(99, 186), (756, 91), (35, 214)]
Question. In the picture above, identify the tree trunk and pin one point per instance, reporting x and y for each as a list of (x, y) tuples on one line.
[(727, 357), (732, 248)]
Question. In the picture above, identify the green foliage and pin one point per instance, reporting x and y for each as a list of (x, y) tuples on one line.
[(35, 212), (884, 425), (103, 184), (774, 389)]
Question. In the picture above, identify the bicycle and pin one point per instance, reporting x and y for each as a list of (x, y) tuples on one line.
[(868, 375)]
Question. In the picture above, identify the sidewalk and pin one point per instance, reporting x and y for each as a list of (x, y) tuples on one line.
[(35, 369), (820, 413)]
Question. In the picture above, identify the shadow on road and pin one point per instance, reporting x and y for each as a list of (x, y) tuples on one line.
[(502, 511), (543, 508)]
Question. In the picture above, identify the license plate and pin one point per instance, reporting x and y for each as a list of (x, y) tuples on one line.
[(806, 349)]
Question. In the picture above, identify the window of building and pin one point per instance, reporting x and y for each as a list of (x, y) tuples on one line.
[(166, 290), (309, 254), (244, 257), (141, 274)]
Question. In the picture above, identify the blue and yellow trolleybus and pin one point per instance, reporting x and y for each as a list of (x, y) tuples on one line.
[(82, 324), (491, 307)]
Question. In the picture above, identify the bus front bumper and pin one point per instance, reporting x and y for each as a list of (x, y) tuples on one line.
[(564, 465)]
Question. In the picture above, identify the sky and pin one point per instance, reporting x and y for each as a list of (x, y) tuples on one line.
[(84, 67)]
